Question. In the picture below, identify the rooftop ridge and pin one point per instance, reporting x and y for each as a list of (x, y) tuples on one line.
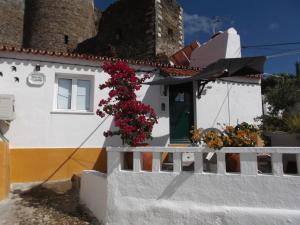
[(88, 57)]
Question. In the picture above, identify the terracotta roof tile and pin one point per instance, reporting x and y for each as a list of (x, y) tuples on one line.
[(165, 69), (92, 57), (183, 56), (178, 72)]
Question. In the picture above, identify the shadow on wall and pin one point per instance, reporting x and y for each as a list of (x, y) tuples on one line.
[(99, 164), (174, 185)]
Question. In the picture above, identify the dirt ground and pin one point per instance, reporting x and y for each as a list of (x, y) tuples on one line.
[(40, 205)]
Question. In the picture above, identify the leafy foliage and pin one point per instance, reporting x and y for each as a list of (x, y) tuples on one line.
[(293, 123), (134, 119), (271, 123), (281, 92)]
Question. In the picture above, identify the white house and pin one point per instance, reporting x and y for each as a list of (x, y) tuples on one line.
[(56, 132)]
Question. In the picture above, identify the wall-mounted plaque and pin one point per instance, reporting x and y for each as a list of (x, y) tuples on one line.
[(36, 79)]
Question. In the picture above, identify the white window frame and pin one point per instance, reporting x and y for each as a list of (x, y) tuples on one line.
[(74, 79)]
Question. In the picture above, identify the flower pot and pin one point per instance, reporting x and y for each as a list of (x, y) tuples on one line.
[(233, 163), (147, 161), (146, 158), (128, 160)]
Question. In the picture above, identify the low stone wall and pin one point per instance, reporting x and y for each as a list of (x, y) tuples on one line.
[(139, 197), (4, 170)]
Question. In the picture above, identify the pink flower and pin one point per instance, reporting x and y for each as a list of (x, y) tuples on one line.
[(134, 119)]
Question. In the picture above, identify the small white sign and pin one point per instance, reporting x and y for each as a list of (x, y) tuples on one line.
[(36, 79)]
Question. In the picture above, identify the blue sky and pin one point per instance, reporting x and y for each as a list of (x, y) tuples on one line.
[(257, 21)]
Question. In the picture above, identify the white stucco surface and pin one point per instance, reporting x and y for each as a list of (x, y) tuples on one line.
[(93, 193), (37, 124), (229, 102), (225, 45), (137, 197)]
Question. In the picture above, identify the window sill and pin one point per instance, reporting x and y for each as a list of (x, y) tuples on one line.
[(73, 112)]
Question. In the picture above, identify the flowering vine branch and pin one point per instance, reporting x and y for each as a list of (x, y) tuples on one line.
[(134, 119)]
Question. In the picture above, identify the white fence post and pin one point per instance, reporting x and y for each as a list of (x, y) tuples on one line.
[(277, 165), (137, 162), (156, 162), (221, 163), (113, 161), (198, 162), (177, 162), (248, 163)]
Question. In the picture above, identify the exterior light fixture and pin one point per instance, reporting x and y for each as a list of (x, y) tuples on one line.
[(37, 68)]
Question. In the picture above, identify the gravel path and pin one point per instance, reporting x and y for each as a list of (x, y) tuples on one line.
[(44, 206)]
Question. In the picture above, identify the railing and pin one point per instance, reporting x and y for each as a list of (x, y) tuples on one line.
[(193, 194), (277, 157)]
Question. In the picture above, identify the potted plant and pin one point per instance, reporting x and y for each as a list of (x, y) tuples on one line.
[(242, 135), (196, 136), (134, 119)]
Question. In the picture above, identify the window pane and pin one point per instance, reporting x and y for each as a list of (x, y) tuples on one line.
[(83, 94), (64, 95)]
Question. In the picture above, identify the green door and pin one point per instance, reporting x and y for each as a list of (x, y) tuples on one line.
[(181, 113)]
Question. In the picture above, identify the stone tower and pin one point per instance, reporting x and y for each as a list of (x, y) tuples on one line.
[(138, 29), (58, 25), (11, 22)]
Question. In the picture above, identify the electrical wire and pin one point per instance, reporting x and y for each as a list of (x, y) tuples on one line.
[(288, 53), (272, 49), (3, 137), (271, 45)]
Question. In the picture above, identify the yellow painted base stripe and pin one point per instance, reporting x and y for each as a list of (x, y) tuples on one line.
[(43, 164), (4, 170)]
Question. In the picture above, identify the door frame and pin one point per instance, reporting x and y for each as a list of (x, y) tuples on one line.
[(193, 111)]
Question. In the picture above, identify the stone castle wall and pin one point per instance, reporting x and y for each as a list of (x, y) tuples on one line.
[(58, 25), (11, 22), (123, 29), (169, 20), (137, 29)]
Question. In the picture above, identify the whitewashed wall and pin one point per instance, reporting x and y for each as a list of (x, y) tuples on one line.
[(225, 45), (187, 198), (38, 125), (93, 193), (229, 102)]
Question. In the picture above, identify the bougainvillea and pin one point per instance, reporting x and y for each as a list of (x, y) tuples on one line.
[(134, 119)]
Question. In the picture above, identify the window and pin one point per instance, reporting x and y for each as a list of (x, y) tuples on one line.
[(66, 39), (170, 33), (83, 94), (64, 94), (73, 93)]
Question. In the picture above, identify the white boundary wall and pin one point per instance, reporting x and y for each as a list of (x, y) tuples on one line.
[(93, 193), (138, 197)]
